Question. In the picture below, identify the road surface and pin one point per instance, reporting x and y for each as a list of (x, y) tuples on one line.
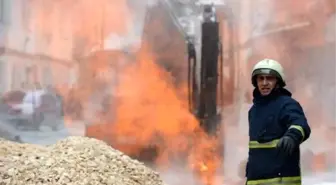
[(174, 176), (44, 137)]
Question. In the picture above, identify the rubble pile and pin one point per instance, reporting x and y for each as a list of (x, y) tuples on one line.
[(72, 161)]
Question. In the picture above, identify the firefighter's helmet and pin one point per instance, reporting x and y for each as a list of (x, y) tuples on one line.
[(269, 66)]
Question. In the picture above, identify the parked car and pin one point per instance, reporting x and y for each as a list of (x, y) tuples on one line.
[(37, 107)]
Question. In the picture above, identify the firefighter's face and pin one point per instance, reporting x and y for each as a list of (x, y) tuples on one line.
[(266, 84)]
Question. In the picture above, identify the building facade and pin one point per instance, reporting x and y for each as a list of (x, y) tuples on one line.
[(301, 36), (289, 31), (34, 49)]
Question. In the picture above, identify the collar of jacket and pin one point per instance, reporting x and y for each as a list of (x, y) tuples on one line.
[(276, 92)]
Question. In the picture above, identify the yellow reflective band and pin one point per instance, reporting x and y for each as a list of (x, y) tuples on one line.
[(299, 128), (277, 181), (270, 144)]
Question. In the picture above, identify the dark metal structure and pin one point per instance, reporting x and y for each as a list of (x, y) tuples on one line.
[(205, 76), (203, 50)]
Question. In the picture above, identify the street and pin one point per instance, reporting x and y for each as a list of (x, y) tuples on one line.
[(174, 176), (45, 136)]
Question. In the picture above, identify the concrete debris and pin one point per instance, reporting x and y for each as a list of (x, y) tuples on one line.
[(72, 161)]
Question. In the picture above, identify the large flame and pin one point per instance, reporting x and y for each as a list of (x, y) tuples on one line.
[(151, 111)]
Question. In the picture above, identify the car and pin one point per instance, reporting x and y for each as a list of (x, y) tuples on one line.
[(37, 108)]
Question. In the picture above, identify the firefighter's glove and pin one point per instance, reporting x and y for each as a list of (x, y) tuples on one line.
[(286, 145)]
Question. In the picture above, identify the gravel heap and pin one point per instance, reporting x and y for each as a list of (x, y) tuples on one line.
[(72, 161)]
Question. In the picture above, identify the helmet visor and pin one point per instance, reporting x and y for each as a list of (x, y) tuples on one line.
[(266, 72)]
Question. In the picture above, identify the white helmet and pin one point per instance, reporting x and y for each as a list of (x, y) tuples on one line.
[(269, 66)]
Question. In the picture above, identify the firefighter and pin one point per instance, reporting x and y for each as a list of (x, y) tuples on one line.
[(277, 127)]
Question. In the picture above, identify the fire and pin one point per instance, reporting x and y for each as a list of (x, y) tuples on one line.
[(150, 111), (203, 167), (147, 108)]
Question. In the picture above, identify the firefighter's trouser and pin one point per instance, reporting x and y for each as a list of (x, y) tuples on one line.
[(276, 181)]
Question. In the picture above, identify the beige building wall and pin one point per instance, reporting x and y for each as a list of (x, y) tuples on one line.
[(30, 54)]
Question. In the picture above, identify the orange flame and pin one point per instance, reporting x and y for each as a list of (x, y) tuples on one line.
[(151, 111), (147, 108)]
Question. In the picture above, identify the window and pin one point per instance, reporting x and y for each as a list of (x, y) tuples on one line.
[(31, 74), (330, 29), (2, 10), (2, 77), (47, 76), (15, 82), (26, 14)]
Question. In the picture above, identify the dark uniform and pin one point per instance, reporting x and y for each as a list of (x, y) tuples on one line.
[(270, 119)]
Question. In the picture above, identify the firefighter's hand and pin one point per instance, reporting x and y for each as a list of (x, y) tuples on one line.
[(286, 145)]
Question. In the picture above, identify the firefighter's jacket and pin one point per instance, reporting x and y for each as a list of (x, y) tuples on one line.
[(270, 118)]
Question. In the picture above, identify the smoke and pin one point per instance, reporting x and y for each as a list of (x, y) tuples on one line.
[(301, 36), (272, 29)]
